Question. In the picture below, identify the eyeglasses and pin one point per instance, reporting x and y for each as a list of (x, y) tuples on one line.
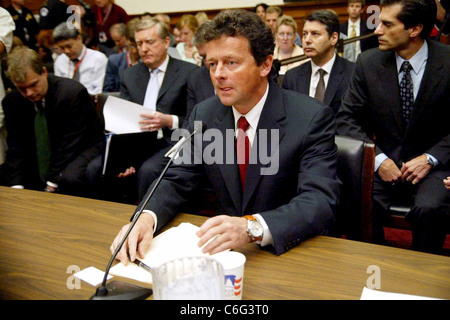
[(282, 35)]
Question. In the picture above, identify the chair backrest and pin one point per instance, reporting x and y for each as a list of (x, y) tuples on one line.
[(98, 101), (355, 169)]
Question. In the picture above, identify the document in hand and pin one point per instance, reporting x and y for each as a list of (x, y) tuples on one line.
[(126, 144), (177, 242)]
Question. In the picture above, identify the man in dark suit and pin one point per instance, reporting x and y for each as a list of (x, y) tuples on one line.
[(355, 26), (280, 202), (320, 36), (398, 98), (68, 133), (163, 93)]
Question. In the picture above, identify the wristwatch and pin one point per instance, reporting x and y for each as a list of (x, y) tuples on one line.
[(430, 161), (254, 228)]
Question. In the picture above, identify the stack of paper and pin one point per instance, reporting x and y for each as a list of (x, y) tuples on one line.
[(177, 242)]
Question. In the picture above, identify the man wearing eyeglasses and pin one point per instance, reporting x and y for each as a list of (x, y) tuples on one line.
[(326, 76)]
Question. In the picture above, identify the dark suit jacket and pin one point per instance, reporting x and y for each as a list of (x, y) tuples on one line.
[(366, 44), (73, 127), (199, 88), (173, 91), (298, 200), (116, 64), (371, 108), (299, 79)]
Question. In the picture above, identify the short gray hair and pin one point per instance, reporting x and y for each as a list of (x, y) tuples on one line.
[(63, 32), (161, 28)]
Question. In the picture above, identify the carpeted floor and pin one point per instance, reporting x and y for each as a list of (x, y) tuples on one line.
[(402, 239)]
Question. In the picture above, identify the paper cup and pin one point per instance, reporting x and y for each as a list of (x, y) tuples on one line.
[(233, 270)]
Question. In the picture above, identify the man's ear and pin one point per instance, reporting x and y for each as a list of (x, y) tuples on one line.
[(266, 66), (416, 30)]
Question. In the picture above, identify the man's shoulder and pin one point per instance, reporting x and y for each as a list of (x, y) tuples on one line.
[(183, 65), (96, 54), (304, 68), (64, 86)]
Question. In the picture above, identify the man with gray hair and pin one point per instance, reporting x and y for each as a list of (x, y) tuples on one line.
[(77, 62), (159, 83)]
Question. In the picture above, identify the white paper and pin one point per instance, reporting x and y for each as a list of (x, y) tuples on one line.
[(91, 275), (369, 294), (123, 116), (177, 242)]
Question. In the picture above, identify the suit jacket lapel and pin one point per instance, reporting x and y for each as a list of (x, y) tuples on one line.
[(305, 79), (230, 172), (334, 81), (142, 78), (169, 77), (432, 76), (273, 112), (388, 78)]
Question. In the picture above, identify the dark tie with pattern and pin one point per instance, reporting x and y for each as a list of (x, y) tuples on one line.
[(42, 141), (76, 75), (406, 91), (243, 149), (320, 90)]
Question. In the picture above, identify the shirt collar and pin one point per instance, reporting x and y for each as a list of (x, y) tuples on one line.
[(327, 66), (254, 114), (417, 60), (163, 66), (350, 23), (80, 57)]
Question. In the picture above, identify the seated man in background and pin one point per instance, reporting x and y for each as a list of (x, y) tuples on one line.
[(53, 129), (355, 26), (398, 98), (159, 83), (326, 76), (120, 61), (77, 62), (292, 201)]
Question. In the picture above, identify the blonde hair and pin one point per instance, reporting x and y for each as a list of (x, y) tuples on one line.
[(287, 21), (188, 20)]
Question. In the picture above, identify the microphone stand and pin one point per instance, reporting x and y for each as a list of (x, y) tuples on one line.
[(118, 290)]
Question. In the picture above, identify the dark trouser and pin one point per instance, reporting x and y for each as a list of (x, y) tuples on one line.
[(430, 211), (130, 189)]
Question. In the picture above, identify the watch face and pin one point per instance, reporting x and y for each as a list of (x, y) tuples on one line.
[(256, 229)]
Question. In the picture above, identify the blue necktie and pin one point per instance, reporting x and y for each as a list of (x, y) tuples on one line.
[(406, 91), (151, 95)]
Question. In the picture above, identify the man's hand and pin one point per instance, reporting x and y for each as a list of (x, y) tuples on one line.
[(415, 169), (155, 121), (138, 240), (130, 171), (447, 183), (389, 172), (229, 233)]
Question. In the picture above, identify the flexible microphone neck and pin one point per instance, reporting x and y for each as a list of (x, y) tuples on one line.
[(102, 291)]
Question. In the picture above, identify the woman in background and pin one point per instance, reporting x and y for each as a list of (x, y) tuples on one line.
[(187, 25), (285, 47)]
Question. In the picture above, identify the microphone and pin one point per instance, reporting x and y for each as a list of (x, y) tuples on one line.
[(118, 290)]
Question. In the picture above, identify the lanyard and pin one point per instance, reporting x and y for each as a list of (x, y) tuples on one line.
[(78, 64), (100, 17)]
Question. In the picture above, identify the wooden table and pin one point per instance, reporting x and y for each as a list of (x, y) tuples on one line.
[(42, 235)]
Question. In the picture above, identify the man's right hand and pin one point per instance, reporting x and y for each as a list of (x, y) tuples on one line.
[(389, 172), (138, 240)]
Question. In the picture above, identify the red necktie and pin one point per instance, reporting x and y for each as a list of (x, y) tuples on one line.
[(243, 149)]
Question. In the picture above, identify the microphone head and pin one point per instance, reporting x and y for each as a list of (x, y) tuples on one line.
[(200, 126)]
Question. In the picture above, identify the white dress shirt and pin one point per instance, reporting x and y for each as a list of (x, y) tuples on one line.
[(315, 76), (162, 72), (253, 119), (92, 69), (356, 44)]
